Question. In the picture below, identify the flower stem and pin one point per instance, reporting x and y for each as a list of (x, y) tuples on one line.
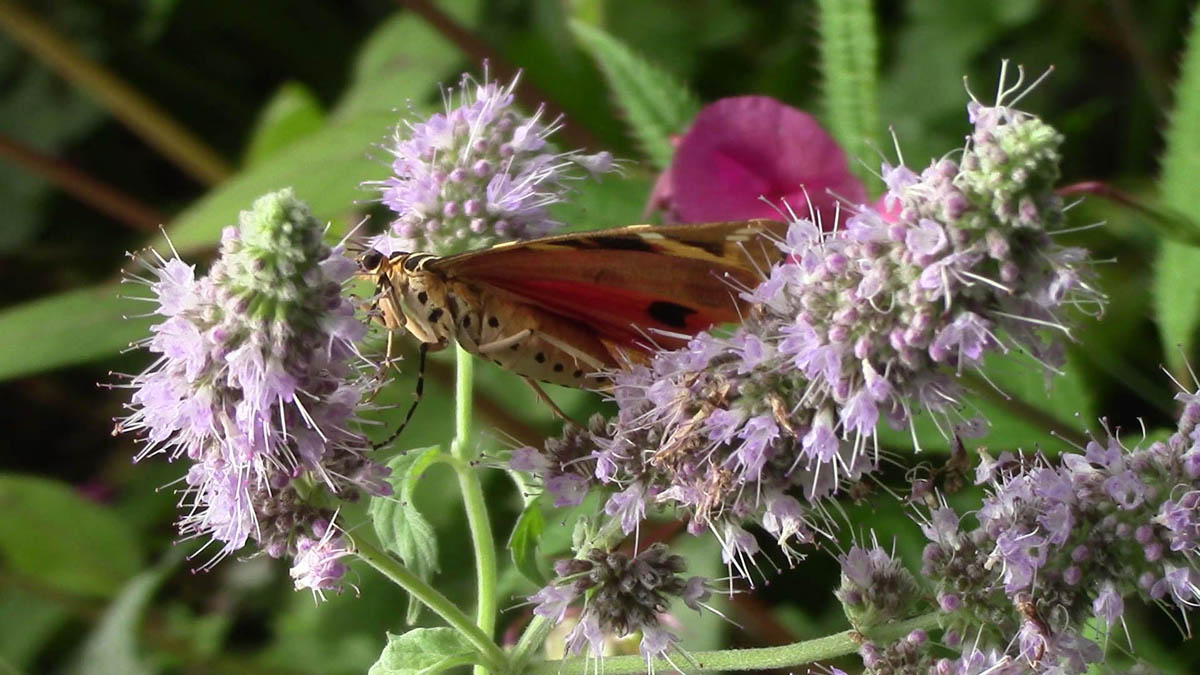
[(796, 654), (473, 501), (402, 577)]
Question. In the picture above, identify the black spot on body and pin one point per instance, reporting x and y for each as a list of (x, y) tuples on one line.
[(422, 297), (493, 322), (515, 346), (467, 321), (540, 358), (558, 367), (577, 373), (670, 313), (435, 315)]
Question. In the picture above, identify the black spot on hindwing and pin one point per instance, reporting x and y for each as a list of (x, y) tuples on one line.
[(669, 313)]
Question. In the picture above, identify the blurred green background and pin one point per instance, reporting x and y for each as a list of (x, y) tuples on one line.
[(260, 95)]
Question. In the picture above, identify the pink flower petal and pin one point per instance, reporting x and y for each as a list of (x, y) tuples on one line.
[(743, 148)]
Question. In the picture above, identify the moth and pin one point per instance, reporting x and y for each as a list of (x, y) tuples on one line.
[(568, 309)]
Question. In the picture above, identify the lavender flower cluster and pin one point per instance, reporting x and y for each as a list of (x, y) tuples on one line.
[(478, 174), (864, 323), (1042, 581), (622, 594), (254, 385)]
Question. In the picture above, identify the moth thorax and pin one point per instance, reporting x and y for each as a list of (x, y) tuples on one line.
[(429, 308)]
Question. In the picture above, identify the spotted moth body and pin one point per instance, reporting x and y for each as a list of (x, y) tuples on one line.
[(486, 322)]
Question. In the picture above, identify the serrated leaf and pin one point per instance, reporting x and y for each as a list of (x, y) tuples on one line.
[(112, 647), (62, 540), (424, 651), (849, 64), (524, 540), (655, 103), (1176, 283), (401, 528), (292, 113)]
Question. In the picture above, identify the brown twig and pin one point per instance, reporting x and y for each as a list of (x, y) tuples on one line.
[(82, 186), (141, 115), (477, 49)]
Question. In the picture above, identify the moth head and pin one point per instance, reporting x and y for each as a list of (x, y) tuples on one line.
[(370, 261)]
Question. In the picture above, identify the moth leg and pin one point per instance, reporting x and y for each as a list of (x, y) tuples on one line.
[(420, 393), (578, 354), (503, 343), (545, 398)]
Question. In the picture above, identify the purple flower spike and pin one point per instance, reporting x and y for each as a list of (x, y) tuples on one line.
[(479, 173), (255, 386)]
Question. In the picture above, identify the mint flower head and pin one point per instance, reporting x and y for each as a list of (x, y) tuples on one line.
[(477, 174), (253, 383), (869, 322)]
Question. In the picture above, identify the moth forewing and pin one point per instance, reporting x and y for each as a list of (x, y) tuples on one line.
[(571, 308)]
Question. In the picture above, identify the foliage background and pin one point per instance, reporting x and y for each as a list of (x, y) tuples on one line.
[(301, 94)]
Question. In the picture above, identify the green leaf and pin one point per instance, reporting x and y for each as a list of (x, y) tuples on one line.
[(523, 542), (423, 651), (400, 526), (67, 329), (40, 620), (850, 64), (112, 647), (1176, 283), (292, 113), (656, 105), (62, 540), (404, 59), (1068, 400)]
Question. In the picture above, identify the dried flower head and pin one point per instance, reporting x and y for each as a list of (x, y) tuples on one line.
[(621, 595), (477, 174)]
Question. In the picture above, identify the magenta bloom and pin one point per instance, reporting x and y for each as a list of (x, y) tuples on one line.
[(743, 150)]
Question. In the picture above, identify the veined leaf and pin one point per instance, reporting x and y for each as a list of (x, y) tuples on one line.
[(423, 651), (655, 104), (401, 528), (1176, 283)]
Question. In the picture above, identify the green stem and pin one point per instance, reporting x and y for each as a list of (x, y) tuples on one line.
[(766, 658), (402, 577), (473, 501), (143, 117), (537, 630)]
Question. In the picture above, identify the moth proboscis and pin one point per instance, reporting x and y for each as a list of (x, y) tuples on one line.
[(570, 308)]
